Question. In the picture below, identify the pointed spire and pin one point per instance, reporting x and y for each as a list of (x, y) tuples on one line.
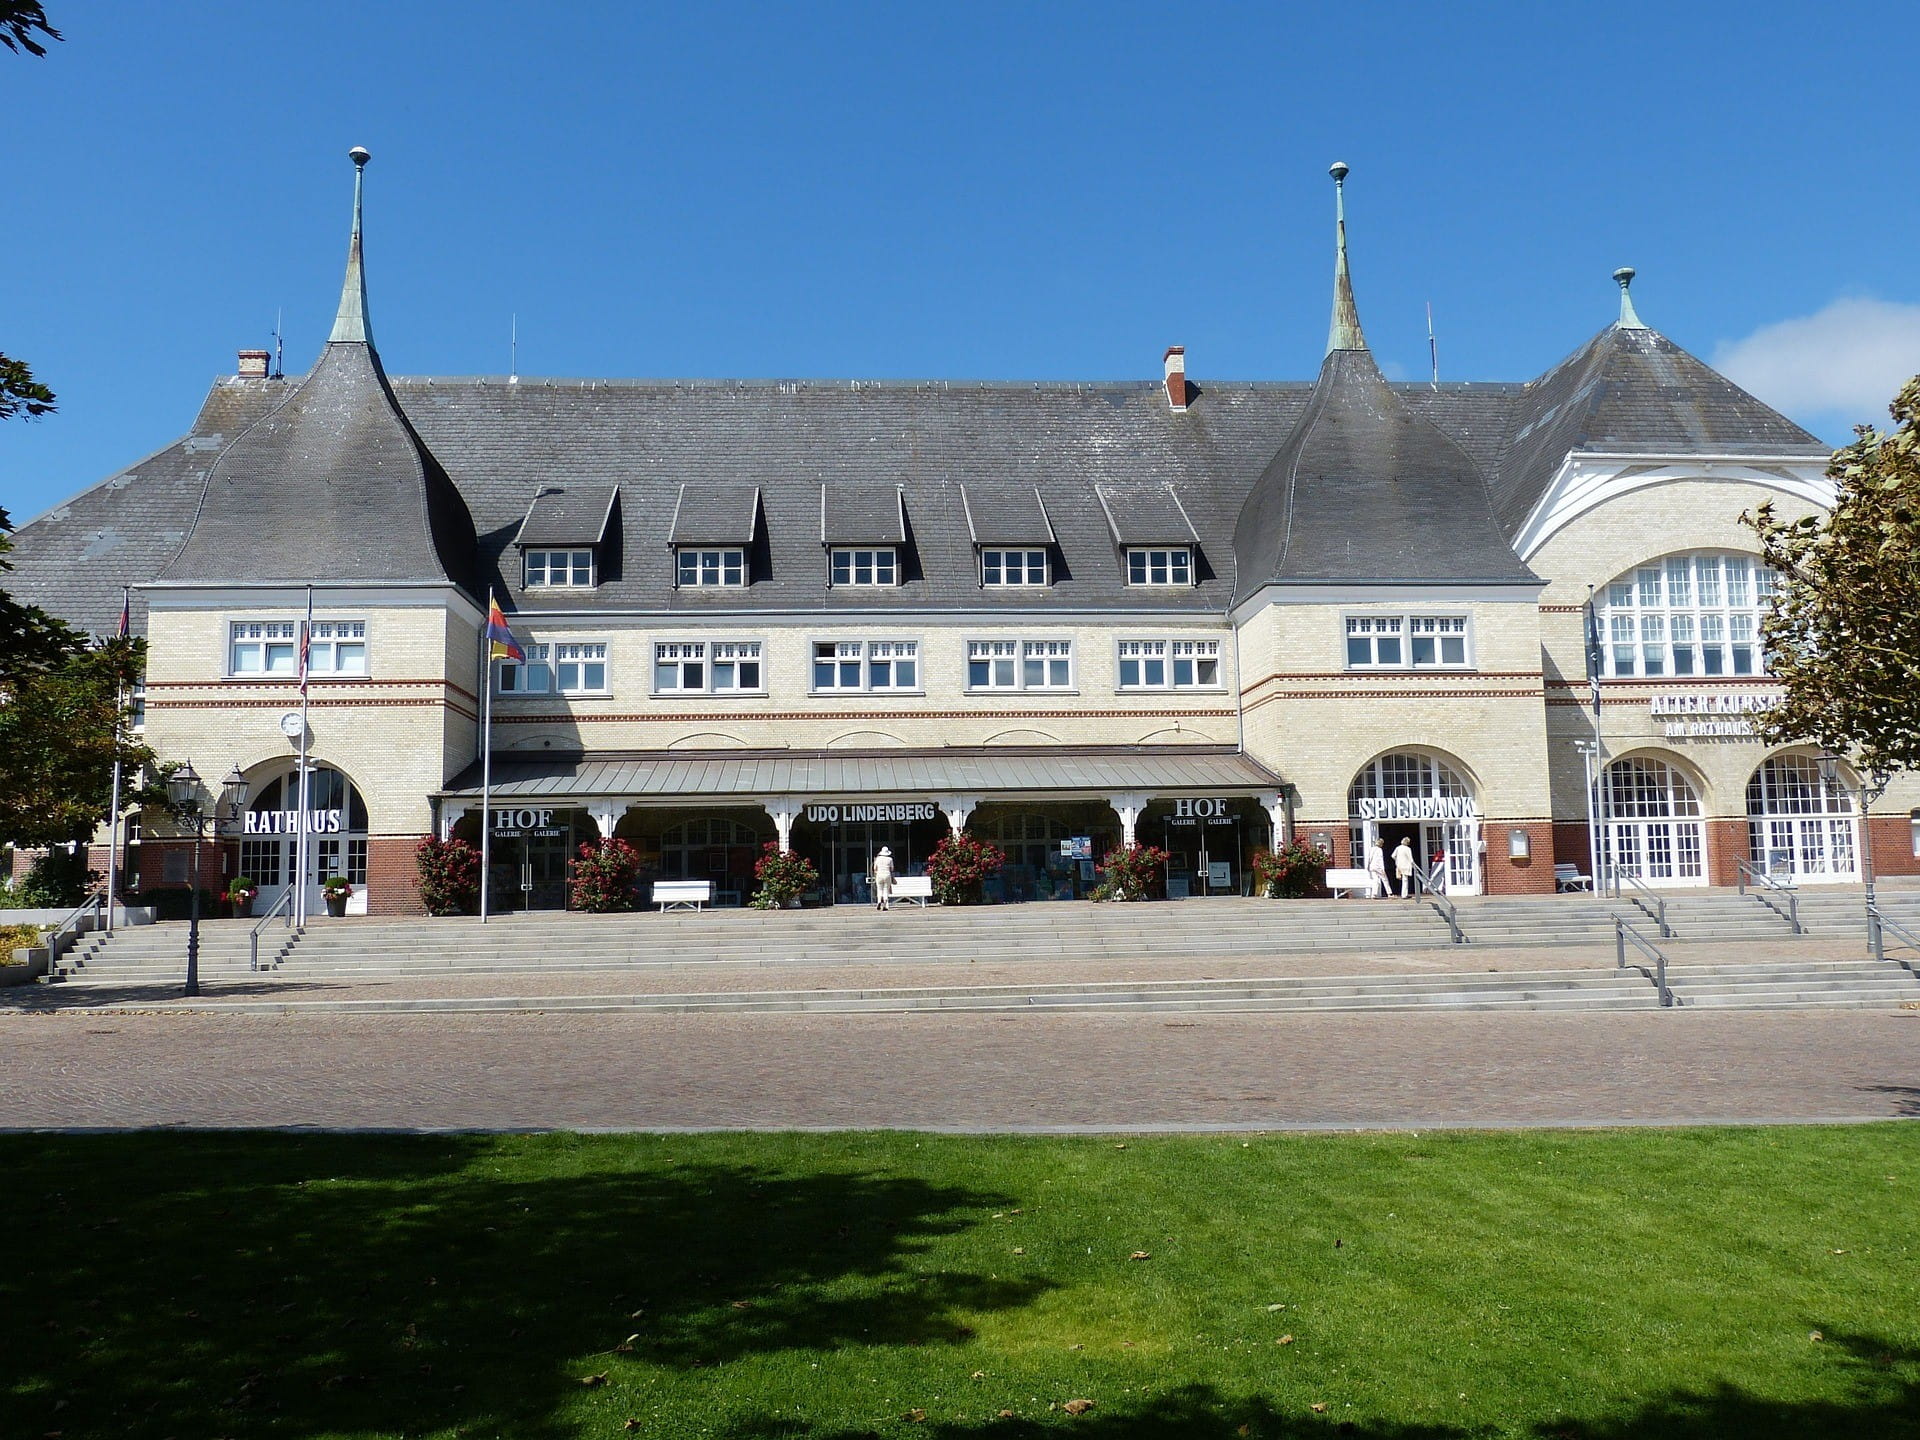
[(1344, 333), (351, 323), (1628, 319)]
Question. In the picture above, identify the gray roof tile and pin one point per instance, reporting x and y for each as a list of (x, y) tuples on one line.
[(568, 515)]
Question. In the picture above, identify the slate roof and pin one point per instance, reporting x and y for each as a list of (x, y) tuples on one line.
[(1368, 489), (1146, 515), (568, 515), (824, 774), (862, 514), (1006, 515), (716, 515), (501, 443)]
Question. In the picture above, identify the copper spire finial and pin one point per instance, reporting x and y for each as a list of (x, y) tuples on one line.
[(1344, 333), (350, 323), (1623, 277)]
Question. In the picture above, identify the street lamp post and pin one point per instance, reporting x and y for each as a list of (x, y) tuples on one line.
[(1588, 751), (1873, 785), (183, 799)]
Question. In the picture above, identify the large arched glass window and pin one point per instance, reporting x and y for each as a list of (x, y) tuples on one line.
[(1798, 826), (1652, 827), (1423, 799), (1684, 615)]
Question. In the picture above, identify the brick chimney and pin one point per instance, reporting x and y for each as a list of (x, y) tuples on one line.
[(253, 364), (1176, 361)]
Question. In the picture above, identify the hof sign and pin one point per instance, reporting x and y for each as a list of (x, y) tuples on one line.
[(512, 824), (1200, 812)]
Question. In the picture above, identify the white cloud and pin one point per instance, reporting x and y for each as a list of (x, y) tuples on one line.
[(1845, 360)]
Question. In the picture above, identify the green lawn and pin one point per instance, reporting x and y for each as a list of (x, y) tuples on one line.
[(1626, 1284)]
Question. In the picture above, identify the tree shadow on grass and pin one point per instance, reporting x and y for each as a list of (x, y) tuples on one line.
[(1878, 1399), (235, 1285)]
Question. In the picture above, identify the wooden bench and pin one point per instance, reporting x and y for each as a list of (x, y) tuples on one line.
[(682, 894), (1347, 881), (1567, 877), (917, 888)]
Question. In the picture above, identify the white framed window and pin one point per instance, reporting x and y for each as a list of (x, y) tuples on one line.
[(711, 569), (1402, 642), (1169, 665), (1172, 565), (1685, 615), (865, 567), (1019, 664), (1013, 567), (576, 667), (866, 665), (559, 568), (264, 647), (337, 647), (701, 667)]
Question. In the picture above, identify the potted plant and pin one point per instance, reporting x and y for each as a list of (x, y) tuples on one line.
[(336, 891), (784, 877), (1289, 873), (1129, 873), (604, 878), (959, 867), (449, 876), (240, 893)]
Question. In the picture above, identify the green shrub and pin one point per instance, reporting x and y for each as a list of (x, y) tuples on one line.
[(1130, 873), (783, 876), (601, 879), (18, 937), (1289, 873), (959, 867), (449, 876)]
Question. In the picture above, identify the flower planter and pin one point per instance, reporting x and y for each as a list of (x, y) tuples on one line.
[(242, 906), (336, 905)]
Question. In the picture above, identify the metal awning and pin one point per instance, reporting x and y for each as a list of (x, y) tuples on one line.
[(987, 771)]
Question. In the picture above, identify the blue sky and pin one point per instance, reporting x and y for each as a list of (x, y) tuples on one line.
[(981, 191)]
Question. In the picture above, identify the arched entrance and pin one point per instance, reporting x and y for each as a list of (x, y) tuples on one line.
[(336, 828), (1797, 827), (1410, 793), (716, 848), (1652, 827)]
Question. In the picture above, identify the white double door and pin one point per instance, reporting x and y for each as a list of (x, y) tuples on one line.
[(271, 861)]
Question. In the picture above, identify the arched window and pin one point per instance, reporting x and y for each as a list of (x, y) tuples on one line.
[(1651, 826), (1425, 799), (708, 847), (1797, 827), (1695, 614)]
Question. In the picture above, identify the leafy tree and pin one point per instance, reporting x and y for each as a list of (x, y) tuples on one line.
[(60, 731), (1843, 631), (31, 640), (20, 393), (19, 20)]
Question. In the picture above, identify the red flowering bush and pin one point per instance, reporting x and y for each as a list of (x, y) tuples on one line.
[(1290, 872), (603, 878), (960, 865), (1129, 874), (449, 876), (783, 876)]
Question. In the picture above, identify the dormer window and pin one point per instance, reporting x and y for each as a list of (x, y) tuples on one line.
[(705, 569), (714, 531), (562, 537), (552, 569), (1155, 565), (856, 566), (1013, 567), (1012, 535)]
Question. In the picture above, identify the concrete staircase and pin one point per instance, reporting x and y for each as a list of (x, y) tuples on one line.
[(1794, 985)]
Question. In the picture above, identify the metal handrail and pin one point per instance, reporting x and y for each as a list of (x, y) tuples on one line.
[(1442, 905), (1656, 911), (1888, 924), (58, 936), (253, 938), (1622, 933), (1744, 872)]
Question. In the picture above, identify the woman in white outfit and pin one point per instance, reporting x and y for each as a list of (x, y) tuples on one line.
[(883, 879), (1377, 870), (1403, 866)]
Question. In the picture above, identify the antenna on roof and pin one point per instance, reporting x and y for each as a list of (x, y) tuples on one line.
[(513, 349), (1433, 349), (279, 371)]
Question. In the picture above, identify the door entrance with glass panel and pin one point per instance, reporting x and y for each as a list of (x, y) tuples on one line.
[(528, 871), (1650, 824), (336, 828), (1422, 798), (1799, 828)]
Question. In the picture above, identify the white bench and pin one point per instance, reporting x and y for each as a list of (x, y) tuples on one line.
[(1567, 877), (917, 888), (682, 894), (1343, 881)]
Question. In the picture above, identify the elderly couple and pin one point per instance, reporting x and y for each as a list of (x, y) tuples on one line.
[(1403, 867)]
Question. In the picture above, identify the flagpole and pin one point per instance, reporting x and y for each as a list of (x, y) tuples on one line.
[(486, 763), (301, 844), (113, 810)]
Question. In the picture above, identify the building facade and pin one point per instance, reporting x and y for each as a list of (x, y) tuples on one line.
[(840, 615)]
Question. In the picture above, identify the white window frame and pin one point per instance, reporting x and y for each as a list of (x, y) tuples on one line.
[(1010, 664), (855, 664), (329, 641), (873, 558), (1031, 564), (573, 555), (1170, 559), (1159, 660), (1689, 609), (714, 567), (1406, 630), (546, 668), (711, 656)]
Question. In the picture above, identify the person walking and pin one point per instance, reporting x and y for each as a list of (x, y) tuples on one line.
[(883, 879), (1403, 866), (1377, 869)]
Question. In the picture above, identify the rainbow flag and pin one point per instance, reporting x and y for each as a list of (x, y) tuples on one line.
[(500, 642)]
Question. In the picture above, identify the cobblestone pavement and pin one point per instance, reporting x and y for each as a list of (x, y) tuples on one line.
[(73, 1068)]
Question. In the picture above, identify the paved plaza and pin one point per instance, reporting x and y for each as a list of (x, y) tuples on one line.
[(82, 1068)]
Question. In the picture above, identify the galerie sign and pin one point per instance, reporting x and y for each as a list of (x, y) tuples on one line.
[(1200, 812), (1415, 807), (287, 822), (849, 814), (1700, 716), (524, 822)]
